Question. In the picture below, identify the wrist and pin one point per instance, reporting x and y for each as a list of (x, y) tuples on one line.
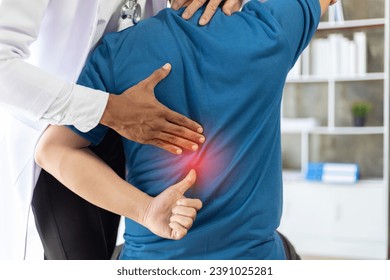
[(139, 210), (144, 211), (109, 112)]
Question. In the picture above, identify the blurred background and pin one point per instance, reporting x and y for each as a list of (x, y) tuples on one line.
[(335, 137)]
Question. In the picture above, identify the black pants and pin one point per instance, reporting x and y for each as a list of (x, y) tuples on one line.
[(70, 227), (289, 249)]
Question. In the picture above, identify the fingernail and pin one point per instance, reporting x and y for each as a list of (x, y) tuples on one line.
[(166, 66), (194, 147), (200, 130), (202, 139), (202, 21), (178, 151)]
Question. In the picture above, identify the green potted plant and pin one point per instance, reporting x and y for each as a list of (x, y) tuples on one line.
[(360, 109)]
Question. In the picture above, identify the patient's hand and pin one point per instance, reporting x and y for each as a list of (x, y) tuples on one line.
[(170, 215), (228, 7)]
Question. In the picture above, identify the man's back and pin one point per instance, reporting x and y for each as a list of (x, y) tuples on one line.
[(229, 77)]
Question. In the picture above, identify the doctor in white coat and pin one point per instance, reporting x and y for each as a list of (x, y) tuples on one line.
[(43, 45)]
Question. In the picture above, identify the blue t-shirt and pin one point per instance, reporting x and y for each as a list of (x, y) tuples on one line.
[(229, 77)]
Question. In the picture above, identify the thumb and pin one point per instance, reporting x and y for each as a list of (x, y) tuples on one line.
[(186, 183), (158, 75)]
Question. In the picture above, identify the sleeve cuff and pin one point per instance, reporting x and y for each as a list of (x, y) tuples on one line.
[(79, 106), (88, 107)]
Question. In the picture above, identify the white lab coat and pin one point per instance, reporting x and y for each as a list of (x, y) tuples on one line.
[(64, 33)]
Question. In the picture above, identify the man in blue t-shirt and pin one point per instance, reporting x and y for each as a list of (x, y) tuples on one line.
[(228, 76)]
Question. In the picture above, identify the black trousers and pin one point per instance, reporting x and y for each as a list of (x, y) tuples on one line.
[(71, 228), (289, 249)]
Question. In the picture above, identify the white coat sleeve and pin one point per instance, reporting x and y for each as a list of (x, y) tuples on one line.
[(30, 91)]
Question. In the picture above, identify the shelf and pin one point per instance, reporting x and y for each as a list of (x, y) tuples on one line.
[(348, 24), (307, 79), (336, 130), (348, 130), (325, 79), (296, 177)]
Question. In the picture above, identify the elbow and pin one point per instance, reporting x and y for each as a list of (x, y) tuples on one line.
[(41, 153), (44, 151), (55, 146)]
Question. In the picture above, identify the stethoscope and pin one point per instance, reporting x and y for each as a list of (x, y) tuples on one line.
[(131, 10)]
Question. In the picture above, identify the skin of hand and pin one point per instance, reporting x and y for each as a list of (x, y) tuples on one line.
[(170, 215), (229, 7), (137, 115)]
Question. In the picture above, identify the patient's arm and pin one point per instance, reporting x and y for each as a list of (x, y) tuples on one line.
[(65, 155)]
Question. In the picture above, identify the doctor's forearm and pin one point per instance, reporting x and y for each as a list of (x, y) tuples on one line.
[(34, 93), (31, 91), (25, 88)]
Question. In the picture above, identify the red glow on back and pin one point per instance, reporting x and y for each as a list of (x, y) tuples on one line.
[(208, 163)]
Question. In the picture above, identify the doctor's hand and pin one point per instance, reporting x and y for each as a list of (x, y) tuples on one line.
[(137, 115), (228, 7), (170, 215)]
